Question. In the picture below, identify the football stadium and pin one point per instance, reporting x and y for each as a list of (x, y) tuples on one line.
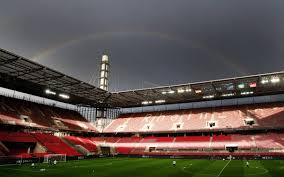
[(133, 132), (54, 124)]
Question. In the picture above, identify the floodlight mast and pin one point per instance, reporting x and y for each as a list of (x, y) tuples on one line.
[(104, 73), (101, 113)]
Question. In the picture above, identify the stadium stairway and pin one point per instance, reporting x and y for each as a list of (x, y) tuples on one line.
[(55, 145), (82, 145), (3, 149), (82, 150)]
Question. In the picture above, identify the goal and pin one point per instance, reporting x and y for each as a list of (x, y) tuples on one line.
[(53, 157)]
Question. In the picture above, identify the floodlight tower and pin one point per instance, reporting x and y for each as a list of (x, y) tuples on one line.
[(101, 113), (104, 73)]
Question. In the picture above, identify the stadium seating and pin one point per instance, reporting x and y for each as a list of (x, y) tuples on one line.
[(275, 141), (28, 114), (192, 138), (55, 145), (85, 142), (150, 145), (124, 150), (234, 117), (16, 144), (16, 137), (197, 145), (243, 142), (20, 151)]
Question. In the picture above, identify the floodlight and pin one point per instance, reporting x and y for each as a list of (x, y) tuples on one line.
[(264, 81), (188, 90), (198, 91), (228, 94), (147, 102), (62, 95), (160, 101), (275, 80), (49, 92), (247, 93), (180, 90), (208, 96)]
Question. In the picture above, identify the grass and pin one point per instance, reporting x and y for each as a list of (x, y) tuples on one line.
[(139, 167)]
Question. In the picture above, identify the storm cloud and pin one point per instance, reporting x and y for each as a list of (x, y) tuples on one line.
[(149, 42)]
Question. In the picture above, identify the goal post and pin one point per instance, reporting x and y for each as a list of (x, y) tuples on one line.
[(52, 157)]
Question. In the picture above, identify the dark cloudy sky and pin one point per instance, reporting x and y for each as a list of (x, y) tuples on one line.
[(150, 42)]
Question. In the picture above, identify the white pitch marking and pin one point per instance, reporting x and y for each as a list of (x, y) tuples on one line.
[(224, 168)]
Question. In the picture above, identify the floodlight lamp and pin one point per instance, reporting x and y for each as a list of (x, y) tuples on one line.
[(275, 80), (49, 92), (64, 96)]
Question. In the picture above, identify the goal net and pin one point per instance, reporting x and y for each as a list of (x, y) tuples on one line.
[(52, 157)]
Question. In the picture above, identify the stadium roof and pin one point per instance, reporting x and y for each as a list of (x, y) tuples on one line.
[(27, 76), (247, 86), (23, 75)]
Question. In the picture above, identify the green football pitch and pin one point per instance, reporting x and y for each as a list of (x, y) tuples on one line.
[(139, 167)]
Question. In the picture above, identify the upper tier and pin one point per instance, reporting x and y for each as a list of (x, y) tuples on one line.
[(24, 113), (270, 115)]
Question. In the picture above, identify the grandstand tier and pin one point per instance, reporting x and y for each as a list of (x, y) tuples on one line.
[(28, 114), (196, 145), (246, 117), (253, 144)]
